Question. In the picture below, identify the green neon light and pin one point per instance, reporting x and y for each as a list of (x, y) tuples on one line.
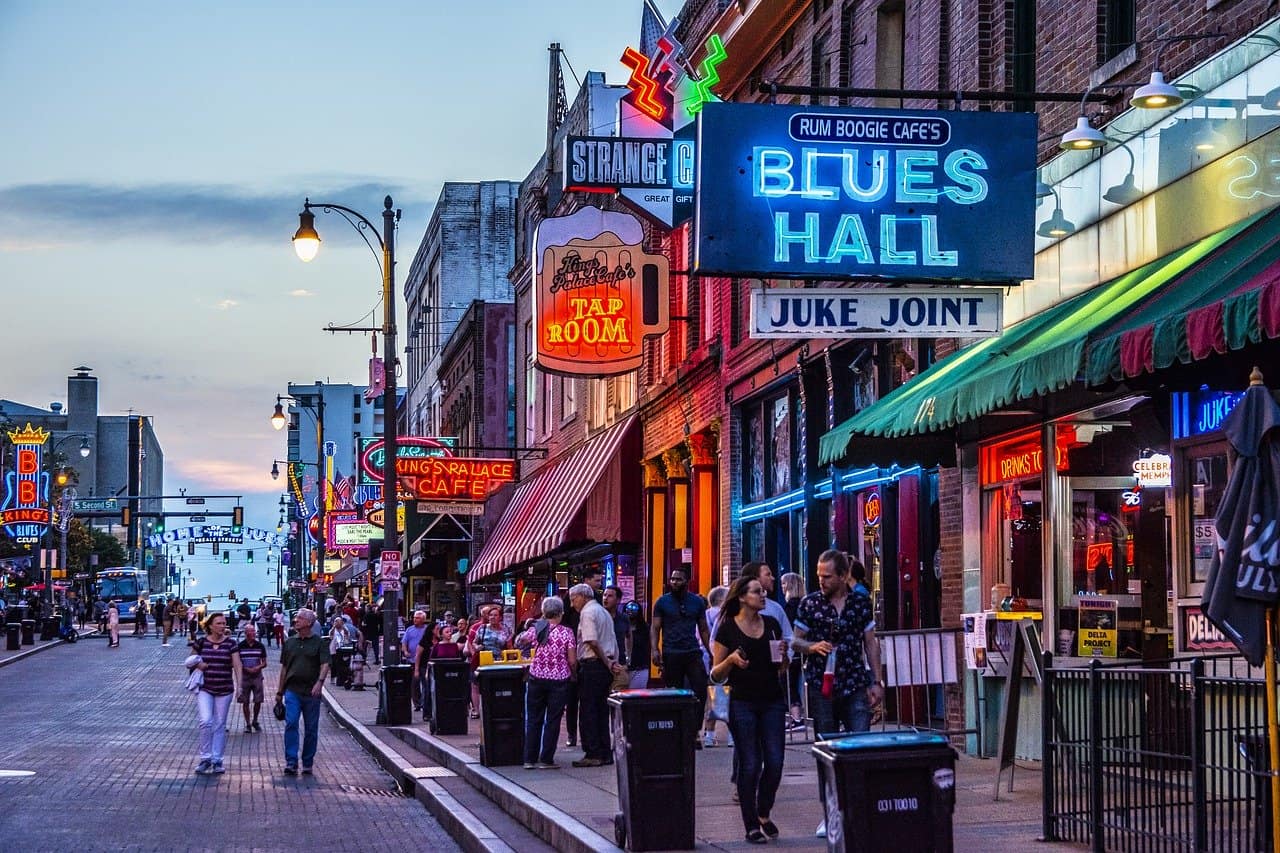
[(707, 74)]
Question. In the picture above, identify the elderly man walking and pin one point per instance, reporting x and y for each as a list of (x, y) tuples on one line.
[(597, 664), (304, 668)]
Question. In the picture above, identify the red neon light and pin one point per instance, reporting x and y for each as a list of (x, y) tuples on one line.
[(455, 478), (30, 515), (642, 85)]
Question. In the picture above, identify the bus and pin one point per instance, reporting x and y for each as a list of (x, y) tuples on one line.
[(124, 585)]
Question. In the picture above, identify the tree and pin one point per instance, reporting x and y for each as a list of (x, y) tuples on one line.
[(108, 548)]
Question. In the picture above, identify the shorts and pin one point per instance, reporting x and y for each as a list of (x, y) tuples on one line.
[(251, 687)]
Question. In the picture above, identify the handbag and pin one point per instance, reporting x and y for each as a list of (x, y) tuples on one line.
[(277, 710)]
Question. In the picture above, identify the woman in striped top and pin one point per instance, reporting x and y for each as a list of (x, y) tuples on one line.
[(219, 661)]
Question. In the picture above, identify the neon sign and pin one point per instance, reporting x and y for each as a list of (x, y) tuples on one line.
[(1202, 412), (25, 514), (871, 509), (373, 457), (598, 294), (220, 533), (349, 534), (826, 193), (452, 477)]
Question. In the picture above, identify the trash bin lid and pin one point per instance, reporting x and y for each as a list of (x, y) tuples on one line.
[(662, 694), (497, 668), (882, 741)]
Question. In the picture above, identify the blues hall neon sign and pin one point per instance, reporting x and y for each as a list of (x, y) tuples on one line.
[(804, 192)]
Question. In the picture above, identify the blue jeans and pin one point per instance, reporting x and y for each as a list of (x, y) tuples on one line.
[(850, 713), (307, 707), (759, 742), (544, 703)]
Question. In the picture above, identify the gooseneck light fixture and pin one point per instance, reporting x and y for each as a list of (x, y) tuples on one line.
[(306, 243), (1126, 192), (1057, 225)]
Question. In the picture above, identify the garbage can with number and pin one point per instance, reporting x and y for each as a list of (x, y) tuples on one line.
[(28, 632), (888, 790), (396, 688), (653, 736), (501, 714), (450, 694)]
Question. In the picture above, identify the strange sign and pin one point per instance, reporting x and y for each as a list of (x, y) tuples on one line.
[(827, 193), (25, 513), (597, 293)]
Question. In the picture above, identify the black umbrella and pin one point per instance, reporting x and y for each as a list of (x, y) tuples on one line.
[(1244, 578)]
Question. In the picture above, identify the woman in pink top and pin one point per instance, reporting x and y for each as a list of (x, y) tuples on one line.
[(554, 666)]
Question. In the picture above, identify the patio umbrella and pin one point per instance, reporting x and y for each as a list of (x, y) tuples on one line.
[(1243, 585)]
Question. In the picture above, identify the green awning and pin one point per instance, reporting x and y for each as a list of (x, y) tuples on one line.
[(1049, 351)]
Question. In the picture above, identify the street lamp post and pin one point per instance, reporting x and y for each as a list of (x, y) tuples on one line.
[(306, 242), (278, 421), (66, 502)]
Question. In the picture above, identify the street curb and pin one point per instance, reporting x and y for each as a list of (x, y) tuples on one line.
[(557, 828), (35, 649), (463, 826)]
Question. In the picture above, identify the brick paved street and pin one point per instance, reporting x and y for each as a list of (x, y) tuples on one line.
[(111, 736)]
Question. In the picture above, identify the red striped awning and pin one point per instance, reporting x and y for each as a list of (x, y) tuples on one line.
[(537, 520)]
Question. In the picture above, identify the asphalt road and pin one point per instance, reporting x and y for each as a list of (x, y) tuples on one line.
[(111, 737)]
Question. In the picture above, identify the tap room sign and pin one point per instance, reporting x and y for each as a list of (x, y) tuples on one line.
[(597, 293), (826, 193), (794, 312)]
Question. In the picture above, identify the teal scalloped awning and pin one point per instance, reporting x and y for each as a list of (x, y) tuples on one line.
[(1219, 293)]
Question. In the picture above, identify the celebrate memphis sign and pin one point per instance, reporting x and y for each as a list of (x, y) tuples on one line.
[(25, 514), (812, 192), (597, 294)]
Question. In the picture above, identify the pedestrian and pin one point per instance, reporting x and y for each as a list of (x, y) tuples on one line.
[(157, 616), (253, 662), (342, 645), (679, 621), (459, 634), (219, 661), (489, 635), (612, 603), (304, 667), (244, 613), (266, 622), (749, 653), (100, 614), (444, 648), (592, 576), (835, 632), (553, 667), (81, 612), (792, 592), (638, 655), (278, 628), (597, 666), (140, 619), (113, 625), (371, 625), (717, 694), (415, 637), (193, 620)]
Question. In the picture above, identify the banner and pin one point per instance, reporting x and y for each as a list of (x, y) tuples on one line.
[(1097, 637)]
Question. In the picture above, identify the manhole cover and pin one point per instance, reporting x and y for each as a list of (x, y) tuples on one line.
[(371, 792), (16, 774)]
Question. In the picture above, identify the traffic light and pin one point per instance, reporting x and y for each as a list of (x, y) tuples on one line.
[(126, 516), (159, 525), (232, 595), (237, 519), (226, 557), (208, 599), (248, 556)]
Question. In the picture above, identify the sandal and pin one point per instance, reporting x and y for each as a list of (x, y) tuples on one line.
[(756, 836)]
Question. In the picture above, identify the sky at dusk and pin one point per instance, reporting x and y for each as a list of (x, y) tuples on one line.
[(156, 156)]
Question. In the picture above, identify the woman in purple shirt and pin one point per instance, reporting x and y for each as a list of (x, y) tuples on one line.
[(218, 661), (555, 662)]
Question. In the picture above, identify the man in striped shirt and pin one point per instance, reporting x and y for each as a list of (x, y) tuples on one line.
[(253, 662)]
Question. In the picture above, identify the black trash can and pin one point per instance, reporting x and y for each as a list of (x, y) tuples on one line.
[(501, 714), (342, 665), (888, 791), (395, 690), (653, 735), (28, 632), (49, 627), (1257, 756), (13, 636), (450, 694), (16, 613)]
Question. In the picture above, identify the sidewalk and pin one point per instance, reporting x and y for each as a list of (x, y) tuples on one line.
[(7, 657), (574, 808)]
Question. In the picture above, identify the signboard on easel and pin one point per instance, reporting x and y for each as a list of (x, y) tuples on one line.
[(1026, 651)]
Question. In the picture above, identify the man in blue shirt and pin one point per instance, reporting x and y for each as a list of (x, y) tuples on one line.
[(679, 619), (413, 635)]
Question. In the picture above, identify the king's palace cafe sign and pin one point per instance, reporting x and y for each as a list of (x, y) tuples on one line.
[(794, 312)]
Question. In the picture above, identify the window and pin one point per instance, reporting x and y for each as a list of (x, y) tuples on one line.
[(530, 387), (568, 398), (1117, 24), (547, 401), (787, 42), (890, 49), (737, 320), (355, 417)]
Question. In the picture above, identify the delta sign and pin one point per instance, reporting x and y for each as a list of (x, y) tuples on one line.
[(25, 514), (830, 193), (597, 293)]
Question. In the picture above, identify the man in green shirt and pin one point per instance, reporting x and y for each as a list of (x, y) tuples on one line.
[(304, 667)]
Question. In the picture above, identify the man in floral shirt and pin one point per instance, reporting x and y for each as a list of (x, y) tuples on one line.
[(838, 620)]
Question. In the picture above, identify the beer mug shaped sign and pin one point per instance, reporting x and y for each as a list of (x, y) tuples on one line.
[(598, 294)]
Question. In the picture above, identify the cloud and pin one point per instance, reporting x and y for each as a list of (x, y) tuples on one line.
[(187, 213), (220, 474), (302, 292), (224, 304)]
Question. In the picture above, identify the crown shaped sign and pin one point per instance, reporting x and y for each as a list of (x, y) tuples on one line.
[(30, 435)]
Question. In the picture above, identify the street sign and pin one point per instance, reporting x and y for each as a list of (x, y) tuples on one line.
[(81, 505), (389, 585), (450, 508), (196, 519), (390, 562), (195, 501), (297, 584), (81, 576)]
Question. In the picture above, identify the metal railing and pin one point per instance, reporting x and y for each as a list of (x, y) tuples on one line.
[(1167, 755), (922, 667)]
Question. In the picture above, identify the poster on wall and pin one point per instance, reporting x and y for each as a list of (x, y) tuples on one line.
[(829, 193), (975, 641), (1098, 634), (597, 293)]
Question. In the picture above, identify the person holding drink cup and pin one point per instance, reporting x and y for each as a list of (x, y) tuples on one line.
[(750, 652)]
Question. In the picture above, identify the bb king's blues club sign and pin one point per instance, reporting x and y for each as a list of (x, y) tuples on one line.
[(813, 192), (24, 515)]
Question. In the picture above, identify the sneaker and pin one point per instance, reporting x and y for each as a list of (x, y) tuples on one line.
[(794, 724), (217, 768), (248, 728), (709, 739), (529, 766), (204, 766), (821, 831), (547, 765), (588, 762), (730, 743), (306, 770), (164, 645), (291, 770), (257, 727)]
